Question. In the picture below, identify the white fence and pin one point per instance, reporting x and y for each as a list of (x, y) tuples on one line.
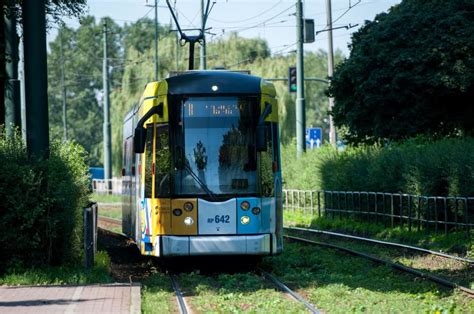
[(107, 186)]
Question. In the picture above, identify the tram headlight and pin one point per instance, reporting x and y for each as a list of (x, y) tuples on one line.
[(256, 210), (188, 206), (245, 220), (188, 221), (245, 205), (177, 212)]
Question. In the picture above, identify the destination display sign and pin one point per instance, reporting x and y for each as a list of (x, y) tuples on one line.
[(221, 107)]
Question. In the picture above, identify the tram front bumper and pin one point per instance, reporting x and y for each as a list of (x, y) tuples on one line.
[(216, 245)]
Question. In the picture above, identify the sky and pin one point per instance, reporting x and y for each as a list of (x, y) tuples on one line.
[(273, 20)]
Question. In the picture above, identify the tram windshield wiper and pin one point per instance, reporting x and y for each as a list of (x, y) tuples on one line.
[(199, 181)]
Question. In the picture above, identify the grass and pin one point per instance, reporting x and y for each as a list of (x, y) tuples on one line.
[(60, 275), (157, 294), (231, 293), (340, 283), (217, 293), (111, 211), (453, 242), (106, 198), (451, 270)]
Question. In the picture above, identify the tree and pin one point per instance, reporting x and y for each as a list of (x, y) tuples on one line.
[(55, 10), (82, 63), (410, 72)]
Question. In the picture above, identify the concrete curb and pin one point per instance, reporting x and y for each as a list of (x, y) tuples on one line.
[(135, 298)]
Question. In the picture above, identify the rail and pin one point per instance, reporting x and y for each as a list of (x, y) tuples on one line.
[(284, 288), (393, 209), (183, 308), (386, 243), (397, 266)]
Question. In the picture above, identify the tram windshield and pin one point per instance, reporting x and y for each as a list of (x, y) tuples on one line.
[(219, 155)]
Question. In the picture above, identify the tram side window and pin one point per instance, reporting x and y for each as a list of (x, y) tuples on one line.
[(163, 162), (276, 147), (148, 160), (266, 162)]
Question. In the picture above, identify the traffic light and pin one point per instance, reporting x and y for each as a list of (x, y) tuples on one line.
[(292, 79)]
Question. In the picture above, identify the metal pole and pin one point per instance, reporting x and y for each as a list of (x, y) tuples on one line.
[(191, 56), (332, 130), (36, 81), (156, 41), (300, 101), (107, 135), (203, 46), (12, 84), (22, 90), (63, 86), (177, 44)]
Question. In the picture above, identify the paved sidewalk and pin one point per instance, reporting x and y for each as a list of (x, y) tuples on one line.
[(107, 298)]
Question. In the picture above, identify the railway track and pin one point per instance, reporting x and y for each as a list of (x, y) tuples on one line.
[(111, 221), (397, 266), (283, 288), (183, 307), (385, 243), (182, 304)]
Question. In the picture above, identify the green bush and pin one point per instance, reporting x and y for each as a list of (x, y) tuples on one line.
[(41, 207), (418, 166)]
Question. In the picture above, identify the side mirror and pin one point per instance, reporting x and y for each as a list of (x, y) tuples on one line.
[(261, 138), (139, 139)]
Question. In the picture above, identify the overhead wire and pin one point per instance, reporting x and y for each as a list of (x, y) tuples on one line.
[(250, 18), (258, 25), (266, 20), (285, 48), (345, 12), (181, 13)]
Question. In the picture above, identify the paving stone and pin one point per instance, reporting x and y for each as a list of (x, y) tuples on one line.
[(111, 298)]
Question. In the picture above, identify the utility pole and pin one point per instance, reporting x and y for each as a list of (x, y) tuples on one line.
[(107, 134), (22, 89), (177, 45), (332, 130), (12, 84), (156, 41), (156, 37), (203, 46), (300, 101), (63, 86), (36, 82)]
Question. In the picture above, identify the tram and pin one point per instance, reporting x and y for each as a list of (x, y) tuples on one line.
[(201, 167)]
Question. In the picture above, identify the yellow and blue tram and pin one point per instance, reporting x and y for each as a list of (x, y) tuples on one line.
[(201, 167)]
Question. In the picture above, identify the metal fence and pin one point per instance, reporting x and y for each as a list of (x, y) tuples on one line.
[(404, 210), (107, 186)]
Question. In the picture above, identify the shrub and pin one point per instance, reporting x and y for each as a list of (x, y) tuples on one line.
[(41, 207), (417, 166)]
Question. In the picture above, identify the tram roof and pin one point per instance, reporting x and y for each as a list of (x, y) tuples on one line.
[(205, 82)]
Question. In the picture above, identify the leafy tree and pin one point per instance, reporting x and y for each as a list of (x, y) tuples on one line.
[(140, 35), (235, 53), (55, 11), (82, 63), (410, 72)]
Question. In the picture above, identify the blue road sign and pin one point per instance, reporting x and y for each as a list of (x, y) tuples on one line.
[(314, 138)]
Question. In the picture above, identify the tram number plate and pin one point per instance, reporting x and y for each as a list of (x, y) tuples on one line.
[(222, 219)]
